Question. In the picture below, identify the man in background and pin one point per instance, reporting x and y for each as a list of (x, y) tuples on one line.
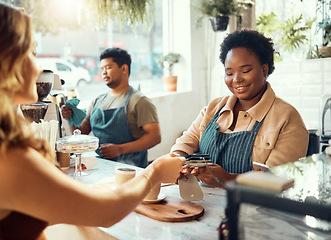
[(124, 120)]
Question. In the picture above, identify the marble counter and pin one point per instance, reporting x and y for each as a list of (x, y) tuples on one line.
[(255, 222)]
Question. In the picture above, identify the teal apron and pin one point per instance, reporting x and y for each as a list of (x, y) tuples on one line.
[(232, 151), (112, 126)]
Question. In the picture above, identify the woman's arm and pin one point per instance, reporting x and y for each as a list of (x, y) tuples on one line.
[(35, 187)]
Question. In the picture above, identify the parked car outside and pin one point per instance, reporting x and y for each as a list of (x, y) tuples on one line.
[(72, 75)]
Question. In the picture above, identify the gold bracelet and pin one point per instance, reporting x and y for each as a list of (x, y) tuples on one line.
[(149, 180)]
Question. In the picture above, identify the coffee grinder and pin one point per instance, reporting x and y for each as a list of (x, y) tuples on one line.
[(43, 109)]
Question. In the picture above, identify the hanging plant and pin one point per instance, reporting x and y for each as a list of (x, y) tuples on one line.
[(131, 11), (219, 9), (48, 18)]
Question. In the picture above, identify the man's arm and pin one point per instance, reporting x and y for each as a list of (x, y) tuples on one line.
[(151, 137), (85, 127)]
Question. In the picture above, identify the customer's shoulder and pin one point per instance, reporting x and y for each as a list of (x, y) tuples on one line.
[(218, 102), (281, 103), (282, 106), (19, 155)]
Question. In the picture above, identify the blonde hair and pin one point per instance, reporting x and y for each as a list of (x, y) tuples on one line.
[(16, 41)]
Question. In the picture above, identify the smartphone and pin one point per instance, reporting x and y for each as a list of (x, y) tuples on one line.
[(198, 156), (197, 160), (198, 163)]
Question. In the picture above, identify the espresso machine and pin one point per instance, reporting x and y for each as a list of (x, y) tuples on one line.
[(43, 109)]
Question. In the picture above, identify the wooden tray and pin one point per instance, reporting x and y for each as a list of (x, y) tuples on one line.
[(171, 210)]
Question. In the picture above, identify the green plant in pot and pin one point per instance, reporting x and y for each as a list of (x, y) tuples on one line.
[(167, 62), (323, 13), (325, 26), (218, 11)]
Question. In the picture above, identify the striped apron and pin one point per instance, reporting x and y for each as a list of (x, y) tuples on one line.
[(232, 151), (112, 126)]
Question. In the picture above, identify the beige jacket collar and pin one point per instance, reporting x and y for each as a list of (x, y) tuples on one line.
[(259, 110)]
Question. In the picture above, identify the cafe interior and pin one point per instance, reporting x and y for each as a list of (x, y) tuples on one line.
[(289, 201)]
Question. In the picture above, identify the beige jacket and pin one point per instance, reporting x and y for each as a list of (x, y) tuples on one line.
[(282, 137)]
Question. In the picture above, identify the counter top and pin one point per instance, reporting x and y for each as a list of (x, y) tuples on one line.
[(256, 222)]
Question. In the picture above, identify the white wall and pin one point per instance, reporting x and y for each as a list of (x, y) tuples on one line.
[(302, 84), (176, 113)]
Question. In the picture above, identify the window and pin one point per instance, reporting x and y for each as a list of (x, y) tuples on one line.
[(83, 46)]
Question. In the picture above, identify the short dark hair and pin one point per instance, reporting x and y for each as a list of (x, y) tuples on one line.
[(118, 55), (253, 40)]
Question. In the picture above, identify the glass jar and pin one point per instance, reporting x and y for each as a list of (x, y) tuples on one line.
[(77, 143)]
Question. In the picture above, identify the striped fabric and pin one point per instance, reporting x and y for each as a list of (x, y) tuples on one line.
[(232, 151), (112, 126)]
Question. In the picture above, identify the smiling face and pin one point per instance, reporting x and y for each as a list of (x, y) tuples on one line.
[(112, 74), (245, 76)]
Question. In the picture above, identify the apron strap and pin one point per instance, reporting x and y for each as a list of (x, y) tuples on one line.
[(257, 126), (99, 100), (128, 98)]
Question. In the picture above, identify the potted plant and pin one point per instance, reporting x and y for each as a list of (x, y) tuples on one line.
[(219, 11), (323, 13), (325, 26), (166, 62)]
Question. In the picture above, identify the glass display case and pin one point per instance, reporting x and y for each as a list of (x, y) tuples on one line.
[(310, 195)]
